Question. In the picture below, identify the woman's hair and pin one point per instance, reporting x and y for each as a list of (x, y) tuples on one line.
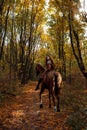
[(49, 60)]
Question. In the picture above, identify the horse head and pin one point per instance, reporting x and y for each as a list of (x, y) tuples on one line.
[(39, 69)]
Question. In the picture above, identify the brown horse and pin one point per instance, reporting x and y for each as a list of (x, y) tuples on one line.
[(52, 81)]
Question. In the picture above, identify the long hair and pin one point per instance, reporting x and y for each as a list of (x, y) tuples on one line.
[(52, 62)]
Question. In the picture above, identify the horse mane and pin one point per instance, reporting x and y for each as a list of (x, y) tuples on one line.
[(41, 68), (38, 64)]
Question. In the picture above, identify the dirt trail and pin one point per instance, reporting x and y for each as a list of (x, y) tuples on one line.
[(23, 113)]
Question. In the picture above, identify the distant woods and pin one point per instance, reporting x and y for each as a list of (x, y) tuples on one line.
[(19, 33), (24, 40)]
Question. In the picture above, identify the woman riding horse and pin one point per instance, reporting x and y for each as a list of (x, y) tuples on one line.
[(52, 81), (49, 66)]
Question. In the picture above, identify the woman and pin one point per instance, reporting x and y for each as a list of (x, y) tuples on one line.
[(49, 66), (49, 63)]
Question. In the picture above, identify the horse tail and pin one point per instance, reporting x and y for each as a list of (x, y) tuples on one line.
[(56, 85), (58, 81)]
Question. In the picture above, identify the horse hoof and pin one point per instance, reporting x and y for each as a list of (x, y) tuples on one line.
[(55, 109), (41, 105)]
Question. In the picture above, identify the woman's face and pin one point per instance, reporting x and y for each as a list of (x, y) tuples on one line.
[(47, 57), (49, 66)]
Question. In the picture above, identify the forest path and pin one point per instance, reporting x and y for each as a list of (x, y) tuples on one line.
[(23, 112)]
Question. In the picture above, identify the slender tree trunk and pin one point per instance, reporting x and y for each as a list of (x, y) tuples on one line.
[(3, 41), (70, 68), (63, 53), (1, 8), (78, 55)]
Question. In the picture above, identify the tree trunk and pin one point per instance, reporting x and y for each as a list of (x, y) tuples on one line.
[(2, 44), (77, 55)]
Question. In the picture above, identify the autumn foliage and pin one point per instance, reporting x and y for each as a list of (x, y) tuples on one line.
[(29, 30)]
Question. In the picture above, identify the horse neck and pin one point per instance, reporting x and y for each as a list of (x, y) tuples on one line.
[(42, 69)]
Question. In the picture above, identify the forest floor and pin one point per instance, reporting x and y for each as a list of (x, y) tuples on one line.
[(22, 112)]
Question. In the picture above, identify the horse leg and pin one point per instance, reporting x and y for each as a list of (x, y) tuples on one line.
[(58, 102), (49, 99), (41, 91), (53, 98), (39, 81), (57, 92)]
